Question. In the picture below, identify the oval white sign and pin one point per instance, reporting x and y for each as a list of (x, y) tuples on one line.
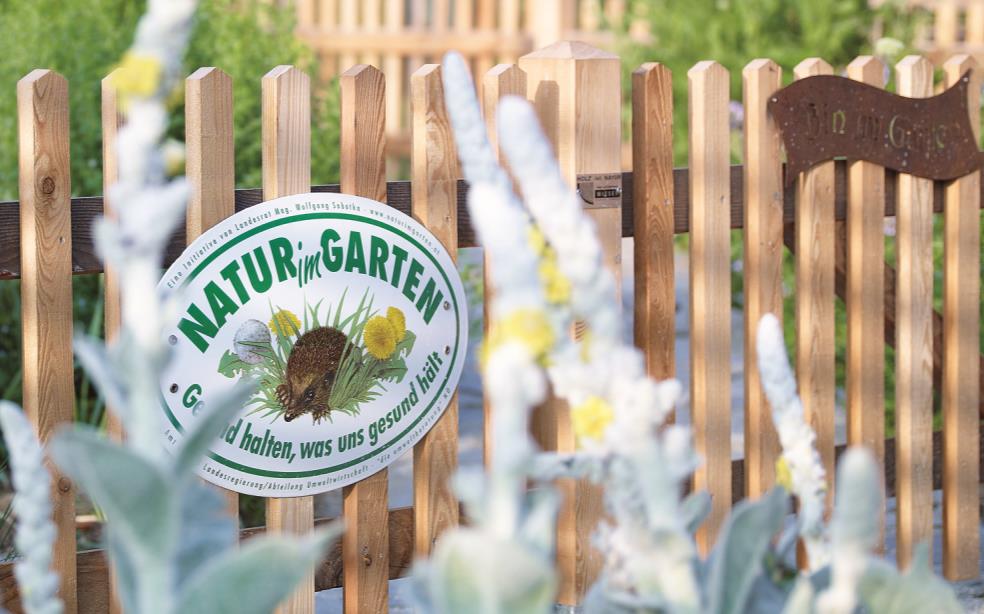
[(349, 314)]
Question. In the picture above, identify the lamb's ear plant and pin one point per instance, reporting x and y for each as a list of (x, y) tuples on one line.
[(168, 535), (547, 273)]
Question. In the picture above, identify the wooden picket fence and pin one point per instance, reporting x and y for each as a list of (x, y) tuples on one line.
[(830, 221), (953, 27)]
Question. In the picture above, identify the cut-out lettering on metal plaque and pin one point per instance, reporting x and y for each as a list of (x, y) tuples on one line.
[(824, 117), (600, 190)]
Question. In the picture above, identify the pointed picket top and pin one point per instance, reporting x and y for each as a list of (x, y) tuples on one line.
[(570, 50), (914, 77), (811, 67), (286, 96), (758, 65), (867, 69), (707, 69)]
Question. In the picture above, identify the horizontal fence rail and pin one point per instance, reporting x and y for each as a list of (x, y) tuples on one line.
[(85, 210)]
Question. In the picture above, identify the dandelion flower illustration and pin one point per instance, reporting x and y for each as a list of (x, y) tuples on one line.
[(379, 337), (591, 418), (249, 335), (399, 322), (286, 322)]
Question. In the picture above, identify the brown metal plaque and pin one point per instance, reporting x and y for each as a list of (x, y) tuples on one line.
[(824, 117), (600, 190)]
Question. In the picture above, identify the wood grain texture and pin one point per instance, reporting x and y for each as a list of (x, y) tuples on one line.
[(815, 325), (762, 263), (434, 168), (652, 168), (575, 90), (501, 80), (710, 291), (365, 544), (46, 290), (286, 125), (914, 340), (865, 290), (210, 168), (112, 122), (961, 348)]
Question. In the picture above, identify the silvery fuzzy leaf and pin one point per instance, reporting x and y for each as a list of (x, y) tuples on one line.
[(99, 365), (207, 428), (207, 529), (135, 496), (882, 589), (475, 571), (126, 573), (737, 558), (539, 525), (600, 600), (695, 509), (800, 601), (257, 576), (766, 597)]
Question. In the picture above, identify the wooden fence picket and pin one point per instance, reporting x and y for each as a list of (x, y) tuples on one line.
[(46, 290), (815, 325), (914, 340), (112, 121), (434, 164), (762, 263), (501, 80), (210, 168), (575, 89), (865, 290), (365, 545), (710, 290), (654, 307), (961, 347), (286, 97)]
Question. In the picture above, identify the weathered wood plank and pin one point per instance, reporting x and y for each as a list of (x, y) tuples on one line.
[(501, 80), (762, 263), (286, 125), (652, 166), (961, 349), (575, 90), (46, 290), (815, 326), (434, 167), (363, 166), (914, 340), (710, 291)]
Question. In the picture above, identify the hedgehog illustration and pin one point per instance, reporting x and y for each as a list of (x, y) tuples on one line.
[(311, 369)]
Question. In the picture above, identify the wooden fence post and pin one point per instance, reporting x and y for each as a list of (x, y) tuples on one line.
[(710, 290), (434, 166), (652, 184), (210, 168), (865, 290), (815, 324), (365, 545), (914, 341), (762, 263), (961, 350), (46, 289), (576, 91), (112, 122), (501, 80), (286, 96)]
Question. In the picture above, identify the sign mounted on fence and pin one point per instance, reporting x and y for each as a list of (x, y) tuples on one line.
[(824, 117), (351, 317)]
